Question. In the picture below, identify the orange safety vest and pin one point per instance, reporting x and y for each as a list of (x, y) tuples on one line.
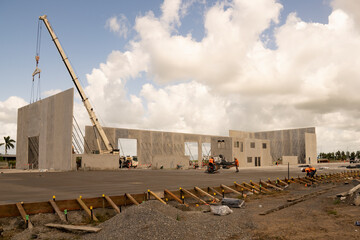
[(211, 160), (309, 169), (236, 162)]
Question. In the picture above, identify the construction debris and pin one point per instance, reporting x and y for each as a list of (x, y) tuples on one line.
[(220, 210), (73, 228), (232, 202)]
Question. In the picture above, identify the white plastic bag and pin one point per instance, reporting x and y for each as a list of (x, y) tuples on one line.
[(221, 210)]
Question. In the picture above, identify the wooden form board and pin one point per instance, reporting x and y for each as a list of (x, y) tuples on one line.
[(10, 210), (73, 227)]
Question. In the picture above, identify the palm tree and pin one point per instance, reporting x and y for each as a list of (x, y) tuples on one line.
[(8, 143)]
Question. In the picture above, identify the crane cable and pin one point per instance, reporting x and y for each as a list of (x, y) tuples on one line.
[(37, 70)]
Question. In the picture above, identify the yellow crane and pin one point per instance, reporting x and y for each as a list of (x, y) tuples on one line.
[(94, 120)]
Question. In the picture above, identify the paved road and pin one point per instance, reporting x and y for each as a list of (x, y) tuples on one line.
[(41, 186)]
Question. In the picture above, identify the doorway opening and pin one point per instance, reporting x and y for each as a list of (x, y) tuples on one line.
[(33, 152), (257, 162)]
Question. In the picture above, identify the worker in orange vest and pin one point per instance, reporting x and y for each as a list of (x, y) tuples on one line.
[(211, 167), (236, 164), (211, 161), (310, 171)]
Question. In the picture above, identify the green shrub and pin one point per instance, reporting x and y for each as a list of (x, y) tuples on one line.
[(12, 163)]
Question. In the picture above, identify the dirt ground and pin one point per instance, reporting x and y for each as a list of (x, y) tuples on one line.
[(322, 216)]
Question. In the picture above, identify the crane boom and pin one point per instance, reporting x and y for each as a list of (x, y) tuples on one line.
[(93, 118)]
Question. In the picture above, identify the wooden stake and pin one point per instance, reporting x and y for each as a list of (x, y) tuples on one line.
[(230, 189), (57, 210), (131, 199), (86, 209), (156, 196), (272, 186), (206, 194), (23, 215), (108, 199), (174, 197), (214, 191), (242, 186), (263, 188), (251, 187), (193, 196)]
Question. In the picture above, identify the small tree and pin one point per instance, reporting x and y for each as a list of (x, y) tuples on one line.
[(8, 143)]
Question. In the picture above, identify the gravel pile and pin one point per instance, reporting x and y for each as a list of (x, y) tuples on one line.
[(154, 220)]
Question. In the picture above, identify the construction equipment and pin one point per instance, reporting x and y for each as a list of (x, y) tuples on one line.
[(129, 161), (219, 162), (94, 120)]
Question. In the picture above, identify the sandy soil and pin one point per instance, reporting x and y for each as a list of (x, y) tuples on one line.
[(319, 217)]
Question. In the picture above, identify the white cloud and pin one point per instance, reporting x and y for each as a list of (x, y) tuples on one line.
[(170, 9), (118, 24), (8, 118), (229, 79)]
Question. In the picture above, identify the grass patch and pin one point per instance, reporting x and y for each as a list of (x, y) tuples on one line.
[(332, 212)]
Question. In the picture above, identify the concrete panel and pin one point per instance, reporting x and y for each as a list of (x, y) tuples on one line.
[(311, 148), (222, 148), (51, 120), (169, 161), (292, 160), (289, 142), (99, 161), (157, 143)]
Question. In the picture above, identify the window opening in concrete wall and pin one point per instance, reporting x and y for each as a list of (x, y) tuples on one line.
[(249, 159), (221, 144), (33, 152), (252, 144), (236, 144), (127, 147), (206, 150), (191, 150), (264, 145), (241, 147)]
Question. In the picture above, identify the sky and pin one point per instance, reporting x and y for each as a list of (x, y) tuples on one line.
[(194, 66)]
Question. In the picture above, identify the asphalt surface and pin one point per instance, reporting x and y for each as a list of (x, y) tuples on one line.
[(24, 186)]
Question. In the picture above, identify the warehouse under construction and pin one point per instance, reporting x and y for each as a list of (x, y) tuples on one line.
[(48, 137)]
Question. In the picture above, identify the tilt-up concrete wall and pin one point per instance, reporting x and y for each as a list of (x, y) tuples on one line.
[(44, 133), (155, 148), (300, 142)]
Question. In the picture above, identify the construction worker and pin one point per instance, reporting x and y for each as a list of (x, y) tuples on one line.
[(310, 171), (236, 164), (211, 167)]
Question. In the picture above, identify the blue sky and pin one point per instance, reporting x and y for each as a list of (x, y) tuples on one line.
[(204, 70), (80, 26)]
